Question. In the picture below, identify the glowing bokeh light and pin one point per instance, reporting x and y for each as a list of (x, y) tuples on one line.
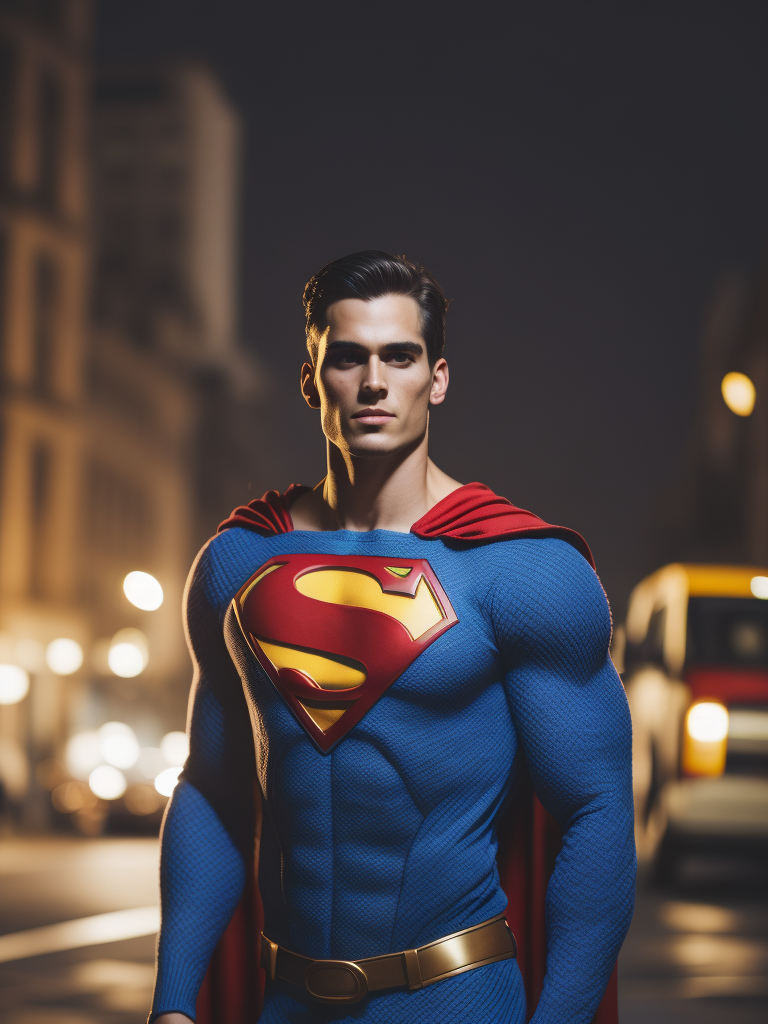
[(125, 660), (165, 783), (707, 722), (175, 748), (759, 587), (64, 656), (14, 684), (738, 393), (119, 746), (107, 782), (128, 654), (143, 591), (82, 753)]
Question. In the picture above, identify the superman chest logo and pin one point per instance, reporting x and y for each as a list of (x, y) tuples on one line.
[(334, 632)]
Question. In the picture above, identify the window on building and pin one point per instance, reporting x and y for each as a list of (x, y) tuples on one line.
[(46, 295), (7, 89), (51, 137), (119, 516), (41, 499)]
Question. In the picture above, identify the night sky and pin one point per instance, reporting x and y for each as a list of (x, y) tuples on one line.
[(578, 176)]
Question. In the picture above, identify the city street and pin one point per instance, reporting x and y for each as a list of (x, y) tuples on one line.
[(696, 952), (49, 881)]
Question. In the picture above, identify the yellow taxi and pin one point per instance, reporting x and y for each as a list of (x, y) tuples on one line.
[(693, 655)]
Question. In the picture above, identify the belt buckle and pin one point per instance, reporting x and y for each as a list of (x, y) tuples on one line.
[(345, 981)]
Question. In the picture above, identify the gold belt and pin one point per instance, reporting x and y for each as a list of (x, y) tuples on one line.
[(349, 981)]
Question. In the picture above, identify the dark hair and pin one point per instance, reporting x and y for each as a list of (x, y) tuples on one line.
[(368, 275)]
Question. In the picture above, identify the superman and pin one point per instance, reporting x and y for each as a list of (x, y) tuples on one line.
[(404, 719)]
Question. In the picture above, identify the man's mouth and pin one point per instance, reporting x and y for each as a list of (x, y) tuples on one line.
[(372, 416)]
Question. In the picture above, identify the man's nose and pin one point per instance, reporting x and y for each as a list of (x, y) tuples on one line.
[(373, 378)]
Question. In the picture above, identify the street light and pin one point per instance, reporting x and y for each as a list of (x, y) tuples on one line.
[(118, 744), (128, 654), (165, 783), (64, 656), (107, 783), (738, 393), (174, 747), (143, 591), (14, 684)]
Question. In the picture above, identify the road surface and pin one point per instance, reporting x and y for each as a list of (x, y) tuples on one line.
[(696, 952), (52, 881)]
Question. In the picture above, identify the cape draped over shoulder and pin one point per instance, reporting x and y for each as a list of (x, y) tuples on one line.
[(529, 838), (471, 513)]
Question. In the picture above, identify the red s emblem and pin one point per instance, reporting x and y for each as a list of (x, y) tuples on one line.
[(334, 632)]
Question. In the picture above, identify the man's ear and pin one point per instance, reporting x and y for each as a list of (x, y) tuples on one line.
[(308, 387), (439, 382)]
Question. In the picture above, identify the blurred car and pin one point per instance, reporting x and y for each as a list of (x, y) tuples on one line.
[(694, 660)]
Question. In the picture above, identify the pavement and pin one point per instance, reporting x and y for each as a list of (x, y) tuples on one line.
[(47, 882), (696, 951)]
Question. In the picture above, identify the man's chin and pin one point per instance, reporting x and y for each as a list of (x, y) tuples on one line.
[(377, 446), (374, 451)]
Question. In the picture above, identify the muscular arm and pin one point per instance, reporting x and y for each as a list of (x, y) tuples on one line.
[(572, 719), (207, 837)]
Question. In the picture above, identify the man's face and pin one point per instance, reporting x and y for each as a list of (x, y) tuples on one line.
[(373, 382)]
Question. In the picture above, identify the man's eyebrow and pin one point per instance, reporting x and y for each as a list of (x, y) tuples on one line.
[(345, 346), (393, 346), (404, 346)]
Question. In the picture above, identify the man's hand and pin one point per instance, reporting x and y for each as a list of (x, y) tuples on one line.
[(172, 1018)]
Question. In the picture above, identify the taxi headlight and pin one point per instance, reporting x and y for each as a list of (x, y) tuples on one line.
[(705, 740)]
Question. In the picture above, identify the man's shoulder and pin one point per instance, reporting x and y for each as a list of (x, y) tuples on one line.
[(543, 579), (225, 563), (532, 557)]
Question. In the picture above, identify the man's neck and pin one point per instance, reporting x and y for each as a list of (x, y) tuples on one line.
[(388, 492)]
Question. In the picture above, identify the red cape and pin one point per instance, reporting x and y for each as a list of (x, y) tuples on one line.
[(529, 838)]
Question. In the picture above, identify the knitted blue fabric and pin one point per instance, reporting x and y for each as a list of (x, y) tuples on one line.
[(388, 841)]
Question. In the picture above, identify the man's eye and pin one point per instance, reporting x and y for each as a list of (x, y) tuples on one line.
[(400, 358)]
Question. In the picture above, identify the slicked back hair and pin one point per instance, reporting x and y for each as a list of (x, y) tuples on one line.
[(368, 275)]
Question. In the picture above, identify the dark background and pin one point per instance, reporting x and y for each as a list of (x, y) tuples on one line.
[(578, 177)]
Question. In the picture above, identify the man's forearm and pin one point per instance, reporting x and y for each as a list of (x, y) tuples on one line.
[(202, 878), (590, 899)]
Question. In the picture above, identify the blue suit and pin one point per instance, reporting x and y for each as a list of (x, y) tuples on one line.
[(388, 841)]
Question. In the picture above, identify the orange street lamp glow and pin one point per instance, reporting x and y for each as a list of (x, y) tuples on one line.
[(738, 393), (705, 740)]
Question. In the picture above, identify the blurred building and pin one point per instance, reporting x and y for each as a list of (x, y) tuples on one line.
[(166, 163), (718, 509), (128, 410), (43, 295)]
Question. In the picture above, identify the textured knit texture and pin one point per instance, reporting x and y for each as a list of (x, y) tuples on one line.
[(388, 842)]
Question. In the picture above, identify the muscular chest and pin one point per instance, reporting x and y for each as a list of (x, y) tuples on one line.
[(329, 637)]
